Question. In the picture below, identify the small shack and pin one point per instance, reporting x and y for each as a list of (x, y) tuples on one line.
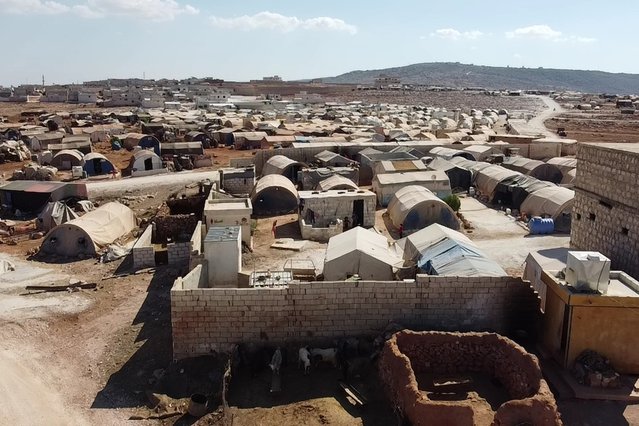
[(67, 159), (32, 196), (361, 252), (248, 140), (96, 164), (415, 207), (274, 195), (84, 236), (386, 185)]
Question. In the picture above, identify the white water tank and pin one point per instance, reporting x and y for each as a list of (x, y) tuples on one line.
[(588, 270)]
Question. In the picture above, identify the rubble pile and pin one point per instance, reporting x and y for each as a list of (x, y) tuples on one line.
[(13, 151), (594, 370), (33, 171)]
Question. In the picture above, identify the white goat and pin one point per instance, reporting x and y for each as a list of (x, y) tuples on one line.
[(325, 355), (304, 359)]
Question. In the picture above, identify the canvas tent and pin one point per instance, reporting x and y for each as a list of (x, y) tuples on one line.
[(554, 202), (438, 250), (145, 160), (386, 185), (328, 158), (96, 164), (87, 234), (535, 168), (281, 165), (449, 153), (336, 182), (54, 214), (415, 207), (459, 176), (513, 191), (274, 195), (67, 158), (362, 252), (487, 179)]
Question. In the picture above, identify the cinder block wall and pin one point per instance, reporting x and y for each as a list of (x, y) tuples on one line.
[(142, 251), (213, 319), (605, 216)]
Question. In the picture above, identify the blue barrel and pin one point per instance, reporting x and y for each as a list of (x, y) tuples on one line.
[(540, 225)]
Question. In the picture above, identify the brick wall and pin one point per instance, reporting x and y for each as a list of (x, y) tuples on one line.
[(604, 214), (142, 251), (213, 319), (180, 253)]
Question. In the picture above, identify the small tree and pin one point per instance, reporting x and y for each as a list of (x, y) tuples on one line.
[(453, 202)]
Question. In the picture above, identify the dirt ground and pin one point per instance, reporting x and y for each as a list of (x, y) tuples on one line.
[(606, 125)]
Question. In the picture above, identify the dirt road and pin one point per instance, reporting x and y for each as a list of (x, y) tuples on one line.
[(535, 126)]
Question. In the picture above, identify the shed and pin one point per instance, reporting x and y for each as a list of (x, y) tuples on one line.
[(96, 164), (438, 250), (553, 201), (415, 207), (274, 195), (84, 236), (460, 177), (43, 140), (535, 168), (336, 182), (386, 185), (448, 153), (281, 165), (32, 196), (67, 158), (360, 252)]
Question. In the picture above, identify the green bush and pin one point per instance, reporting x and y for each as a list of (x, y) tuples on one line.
[(453, 201)]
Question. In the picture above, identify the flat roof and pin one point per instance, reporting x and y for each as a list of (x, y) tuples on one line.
[(230, 205), (223, 233), (32, 186), (632, 148)]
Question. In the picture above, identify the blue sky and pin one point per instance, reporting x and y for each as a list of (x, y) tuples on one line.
[(77, 40)]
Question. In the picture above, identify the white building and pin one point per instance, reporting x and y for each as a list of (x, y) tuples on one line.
[(223, 254)]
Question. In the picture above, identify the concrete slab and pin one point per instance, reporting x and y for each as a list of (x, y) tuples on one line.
[(289, 244)]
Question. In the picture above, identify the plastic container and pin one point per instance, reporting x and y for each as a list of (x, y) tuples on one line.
[(540, 225), (471, 191), (198, 405)]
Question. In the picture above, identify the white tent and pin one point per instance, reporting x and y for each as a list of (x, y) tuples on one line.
[(415, 207), (487, 179), (54, 214), (553, 201), (89, 233), (362, 252), (336, 182)]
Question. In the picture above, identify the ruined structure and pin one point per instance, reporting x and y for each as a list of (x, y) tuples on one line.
[(442, 378)]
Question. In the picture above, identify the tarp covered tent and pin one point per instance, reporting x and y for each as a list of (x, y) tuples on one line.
[(481, 152), (87, 234), (282, 165), (336, 182), (54, 214), (460, 177), (438, 250), (386, 185), (328, 158), (487, 179), (449, 153), (145, 160), (96, 164), (535, 168), (569, 177), (513, 191), (131, 140), (274, 195), (563, 163), (554, 202), (416, 208), (67, 158), (362, 252)]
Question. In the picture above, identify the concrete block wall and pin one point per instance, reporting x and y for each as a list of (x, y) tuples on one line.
[(214, 319), (240, 185), (321, 235), (179, 253), (605, 215), (142, 251)]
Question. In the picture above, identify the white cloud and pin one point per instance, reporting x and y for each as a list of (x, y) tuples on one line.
[(39, 7), (453, 34), (544, 32), (156, 10), (277, 22)]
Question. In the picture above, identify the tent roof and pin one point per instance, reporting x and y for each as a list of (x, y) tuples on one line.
[(551, 201), (334, 182), (407, 177), (93, 155), (410, 197), (276, 164), (274, 180), (71, 152), (489, 177), (439, 163), (360, 240)]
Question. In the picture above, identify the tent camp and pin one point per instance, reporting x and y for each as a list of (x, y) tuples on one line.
[(336, 182), (568, 166), (274, 195), (416, 207), (54, 214), (459, 176), (554, 202), (281, 165), (362, 252), (535, 168), (96, 164), (87, 234), (438, 250), (67, 158)]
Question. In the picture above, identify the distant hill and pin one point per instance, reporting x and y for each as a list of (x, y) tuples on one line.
[(454, 74)]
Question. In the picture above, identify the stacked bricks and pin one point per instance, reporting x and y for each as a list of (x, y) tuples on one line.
[(604, 214), (179, 253), (142, 251), (214, 319)]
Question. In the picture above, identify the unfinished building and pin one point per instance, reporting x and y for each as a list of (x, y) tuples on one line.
[(450, 378), (605, 212), (323, 214)]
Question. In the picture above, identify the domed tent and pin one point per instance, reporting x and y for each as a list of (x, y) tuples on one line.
[(460, 177), (281, 165), (145, 160), (87, 234), (67, 158), (274, 195), (131, 140), (487, 179), (535, 168), (336, 182), (416, 207), (96, 164), (448, 153), (54, 214), (553, 201)]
